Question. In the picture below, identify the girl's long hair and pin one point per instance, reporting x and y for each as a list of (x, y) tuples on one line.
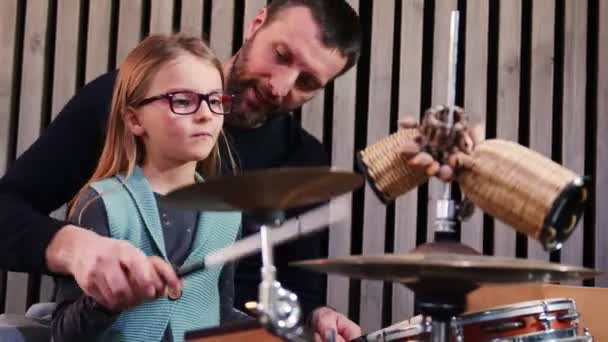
[(122, 150)]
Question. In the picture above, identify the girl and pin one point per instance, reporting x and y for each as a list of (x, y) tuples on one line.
[(166, 117)]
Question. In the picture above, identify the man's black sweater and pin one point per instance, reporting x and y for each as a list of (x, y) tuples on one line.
[(59, 163)]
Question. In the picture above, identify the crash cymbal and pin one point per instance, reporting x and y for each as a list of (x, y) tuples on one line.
[(273, 189), (447, 269)]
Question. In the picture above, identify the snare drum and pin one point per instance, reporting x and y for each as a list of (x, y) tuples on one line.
[(534, 321), (415, 329)]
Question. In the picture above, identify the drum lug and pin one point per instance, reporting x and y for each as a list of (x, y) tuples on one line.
[(546, 320), (571, 316), (458, 333)]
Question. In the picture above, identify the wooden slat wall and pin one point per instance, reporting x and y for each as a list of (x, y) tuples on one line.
[(161, 16), (192, 17), (573, 107), (343, 126), (532, 72), (222, 17), (31, 114), (410, 79), (8, 29), (129, 27), (379, 109), (98, 39), (507, 100), (541, 90), (441, 46), (601, 165), (476, 60)]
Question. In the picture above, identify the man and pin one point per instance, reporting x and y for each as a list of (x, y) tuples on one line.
[(293, 49)]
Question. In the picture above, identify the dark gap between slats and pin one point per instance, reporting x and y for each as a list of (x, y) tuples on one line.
[(34, 280), (491, 106), (328, 119), (145, 19), (49, 62), (426, 86), (591, 136), (17, 76), (14, 113), (239, 18), (81, 56), (207, 7), (521, 245), (389, 237), (456, 193), (361, 118), (113, 35), (558, 93), (177, 15)]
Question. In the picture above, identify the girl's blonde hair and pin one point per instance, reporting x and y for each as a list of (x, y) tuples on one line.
[(122, 150)]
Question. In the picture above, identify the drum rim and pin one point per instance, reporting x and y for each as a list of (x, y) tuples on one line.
[(520, 338), (515, 310), (414, 326)]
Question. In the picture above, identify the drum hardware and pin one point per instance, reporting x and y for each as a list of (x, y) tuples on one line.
[(264, 196), (568, 317), (506, 326)]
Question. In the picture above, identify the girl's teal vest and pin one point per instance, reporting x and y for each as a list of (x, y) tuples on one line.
[(133, 215)]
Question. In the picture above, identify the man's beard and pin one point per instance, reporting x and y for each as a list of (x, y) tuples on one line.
[(237, 83)]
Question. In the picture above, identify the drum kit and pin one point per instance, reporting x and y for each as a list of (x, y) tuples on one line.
[(545, 202)]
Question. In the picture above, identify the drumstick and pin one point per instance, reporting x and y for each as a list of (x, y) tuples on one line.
[(309, 222)]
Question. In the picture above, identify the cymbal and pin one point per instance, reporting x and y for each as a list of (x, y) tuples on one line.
[(447, 268), (272, 189)]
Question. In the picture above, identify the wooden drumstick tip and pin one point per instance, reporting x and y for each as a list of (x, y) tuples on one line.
[(252, 307)]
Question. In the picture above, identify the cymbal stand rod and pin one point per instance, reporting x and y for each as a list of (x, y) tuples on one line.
[(446, 211), (279, 308), (266, 291), (439, 331)]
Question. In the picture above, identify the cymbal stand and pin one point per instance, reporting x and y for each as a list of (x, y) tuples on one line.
[(278, 308), (441, 307)]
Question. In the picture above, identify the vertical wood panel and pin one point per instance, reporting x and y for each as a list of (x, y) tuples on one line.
[(8, 26), (312, 115), (34, 48), (222, 28), (343, 126), (98, 39), (441, 51), (192, 17), (30, 116), (66, 53), (406, 206), (574, 90), (129, 28), (601, 166), (374, 220), (252, 8), (475, 90), (541, 90), (161, 16), (507, 100)]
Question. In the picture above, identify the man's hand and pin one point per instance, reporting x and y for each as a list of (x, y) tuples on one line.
[(325, 321), (113, 272), (410, 150)]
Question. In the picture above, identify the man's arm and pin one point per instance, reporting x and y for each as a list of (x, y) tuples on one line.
[(48, 175)]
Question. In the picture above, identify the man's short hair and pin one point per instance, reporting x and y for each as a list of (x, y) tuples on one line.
[(337, 20)]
